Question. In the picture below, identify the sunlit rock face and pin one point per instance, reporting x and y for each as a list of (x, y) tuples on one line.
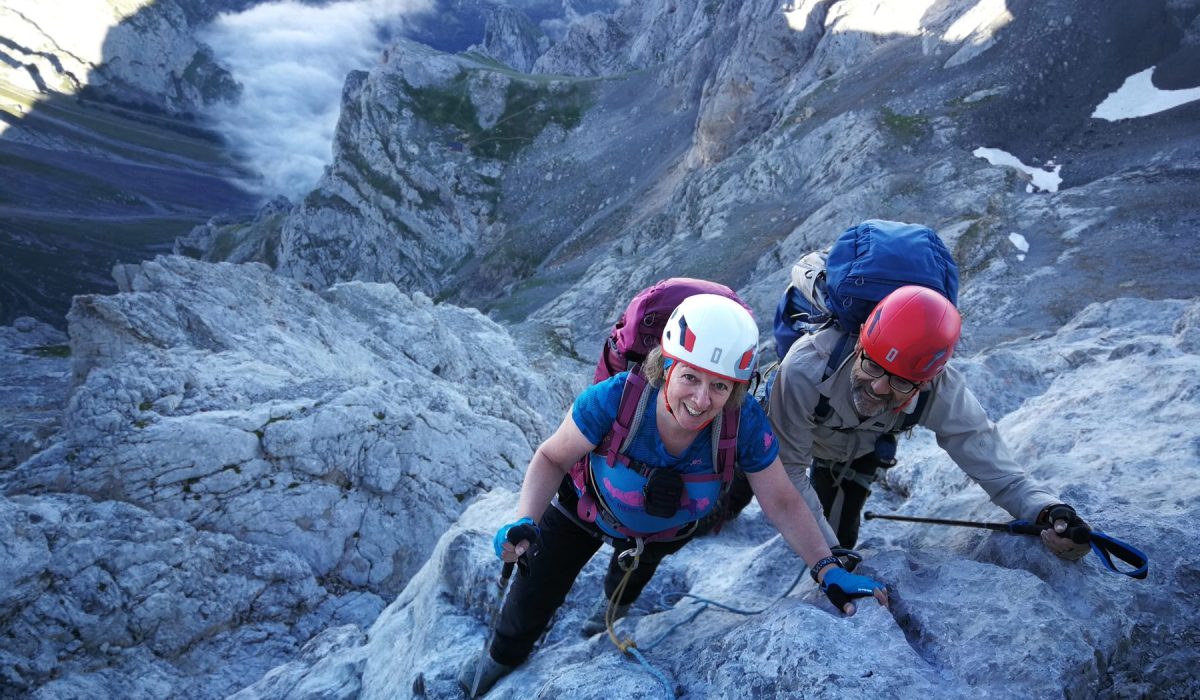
[(138, 52)]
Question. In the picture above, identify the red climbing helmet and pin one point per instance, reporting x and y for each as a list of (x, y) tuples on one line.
[(912, 333)]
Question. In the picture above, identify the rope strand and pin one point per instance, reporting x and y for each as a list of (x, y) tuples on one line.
[(630, 647)]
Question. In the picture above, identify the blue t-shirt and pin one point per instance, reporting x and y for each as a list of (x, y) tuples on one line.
[(596, 408)]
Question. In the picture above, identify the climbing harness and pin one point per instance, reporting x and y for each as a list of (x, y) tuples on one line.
[(1105, 546)]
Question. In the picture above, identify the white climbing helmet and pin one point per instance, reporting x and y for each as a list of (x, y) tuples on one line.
[(713, 333)]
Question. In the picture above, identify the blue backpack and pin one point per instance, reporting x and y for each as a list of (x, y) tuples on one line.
[(838, 288), (866, 263)]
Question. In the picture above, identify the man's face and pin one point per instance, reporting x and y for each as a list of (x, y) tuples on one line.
[(872, 395)]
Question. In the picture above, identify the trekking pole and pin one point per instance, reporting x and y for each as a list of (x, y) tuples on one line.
[(501, 587), (1105, 546)]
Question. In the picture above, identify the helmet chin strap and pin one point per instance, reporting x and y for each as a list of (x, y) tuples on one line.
[(666, 382)]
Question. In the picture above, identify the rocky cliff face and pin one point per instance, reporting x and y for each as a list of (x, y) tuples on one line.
[(369, 426), (510, 37), (103, 599), (138, 52), (725, 139), (230, 428), (284, 485), (422, 142)]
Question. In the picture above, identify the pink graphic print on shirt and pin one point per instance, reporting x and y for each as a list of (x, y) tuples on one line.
[(636, 499)]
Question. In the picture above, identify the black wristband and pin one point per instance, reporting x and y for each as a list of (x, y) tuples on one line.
[(831, 559)]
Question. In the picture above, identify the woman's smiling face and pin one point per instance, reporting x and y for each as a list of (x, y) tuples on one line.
[(695, 396)]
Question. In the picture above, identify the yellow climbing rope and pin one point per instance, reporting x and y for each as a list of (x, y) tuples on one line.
[(610, 615)]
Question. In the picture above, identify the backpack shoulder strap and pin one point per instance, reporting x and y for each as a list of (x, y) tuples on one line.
[(628, 419), (725, 436), (823, 410)]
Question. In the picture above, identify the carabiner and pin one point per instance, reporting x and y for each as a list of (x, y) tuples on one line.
[(634, 554)]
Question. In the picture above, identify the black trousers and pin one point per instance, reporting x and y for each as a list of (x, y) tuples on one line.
[(534, 598), (842, 503)]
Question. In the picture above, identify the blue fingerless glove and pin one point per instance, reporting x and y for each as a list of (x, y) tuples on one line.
[(523, 529), (841, 587)]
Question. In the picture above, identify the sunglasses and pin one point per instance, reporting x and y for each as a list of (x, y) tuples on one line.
[(874, 370)]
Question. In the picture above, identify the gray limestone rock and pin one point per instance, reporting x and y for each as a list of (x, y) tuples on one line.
[(34, 372), (105, 600), (129, 51), (510, 37), (263, 458), (348, 427)]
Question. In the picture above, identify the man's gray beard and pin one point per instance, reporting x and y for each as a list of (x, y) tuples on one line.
[(858, 395)]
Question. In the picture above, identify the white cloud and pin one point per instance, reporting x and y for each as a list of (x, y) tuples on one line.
[(292, 61), (1137, 97)]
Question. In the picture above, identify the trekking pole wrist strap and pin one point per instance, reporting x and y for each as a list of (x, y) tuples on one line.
[(831, 559)]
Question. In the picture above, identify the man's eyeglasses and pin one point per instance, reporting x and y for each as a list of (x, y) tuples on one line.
[(874, 370)]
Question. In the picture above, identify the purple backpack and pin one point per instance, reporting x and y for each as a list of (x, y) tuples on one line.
[(639, 330)]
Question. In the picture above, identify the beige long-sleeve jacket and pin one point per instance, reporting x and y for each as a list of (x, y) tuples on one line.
[(953, 413)]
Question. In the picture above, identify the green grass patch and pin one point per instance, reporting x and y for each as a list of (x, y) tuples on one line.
[(117, 235), (50, 351), (225, 242), (489, 62), (530, 106), (904, 127), (137, 135)]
